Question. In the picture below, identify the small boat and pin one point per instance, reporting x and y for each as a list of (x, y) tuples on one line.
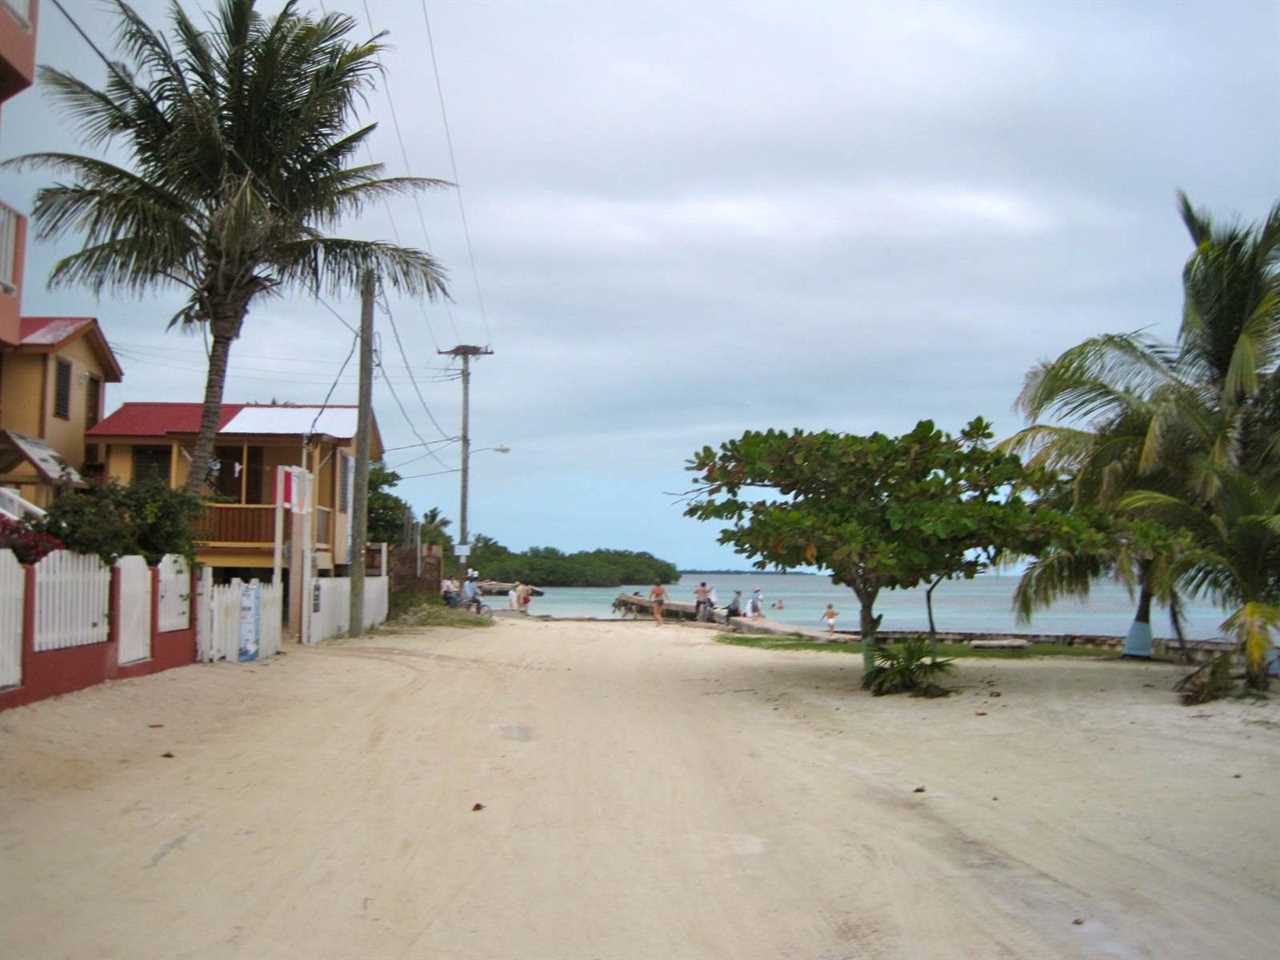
[(496, 588)]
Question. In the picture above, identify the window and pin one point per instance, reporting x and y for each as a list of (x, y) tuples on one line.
[(62, 391), (92, 401), (344, 482), (8, 250), (151, 463)]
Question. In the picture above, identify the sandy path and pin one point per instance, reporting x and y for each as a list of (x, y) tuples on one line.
[(648, 794)]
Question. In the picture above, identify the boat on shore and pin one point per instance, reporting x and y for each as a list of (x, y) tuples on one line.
[(496, 588)]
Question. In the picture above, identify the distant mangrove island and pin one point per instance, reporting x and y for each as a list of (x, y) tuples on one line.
[(549, 567)]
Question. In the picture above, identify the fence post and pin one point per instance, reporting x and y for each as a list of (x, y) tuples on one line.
[(29, 624), (155, 609), (113, 623)]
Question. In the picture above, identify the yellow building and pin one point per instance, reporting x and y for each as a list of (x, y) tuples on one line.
[(52, 379), (237, 531)]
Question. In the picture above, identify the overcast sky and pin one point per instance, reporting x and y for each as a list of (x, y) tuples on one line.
[(692, 219)]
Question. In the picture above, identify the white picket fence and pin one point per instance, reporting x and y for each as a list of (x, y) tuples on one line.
[(12, 588), (238, 621), (73, 593), (331, 606), (134, 610), (175, 593)]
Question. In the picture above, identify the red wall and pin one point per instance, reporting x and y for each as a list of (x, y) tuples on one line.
[(51, 672)]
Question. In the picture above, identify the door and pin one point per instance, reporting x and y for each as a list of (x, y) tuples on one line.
[(135, 609)]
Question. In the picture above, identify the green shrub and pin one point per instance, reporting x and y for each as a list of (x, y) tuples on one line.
[(909, 667), (112, 520)]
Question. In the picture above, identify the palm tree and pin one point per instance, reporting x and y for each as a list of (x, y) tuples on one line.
[(1145, 425), (1230, 334), (241, 159), (1168, 420), (1237, 555)]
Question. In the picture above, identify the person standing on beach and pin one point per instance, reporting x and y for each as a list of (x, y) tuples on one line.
[(659, 597), (524, 596), (829, 617), (757, 603), (699, 600), (513, 597)]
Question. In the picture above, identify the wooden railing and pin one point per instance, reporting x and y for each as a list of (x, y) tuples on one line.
[(237, 523)]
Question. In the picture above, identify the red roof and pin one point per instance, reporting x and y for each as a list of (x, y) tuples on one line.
[(157, 419), (45, 334), (49, 331)]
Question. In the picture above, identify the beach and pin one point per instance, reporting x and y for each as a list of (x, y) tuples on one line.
[(557, 791)]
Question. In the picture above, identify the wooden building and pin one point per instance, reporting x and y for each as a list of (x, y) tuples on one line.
[(237, 530)]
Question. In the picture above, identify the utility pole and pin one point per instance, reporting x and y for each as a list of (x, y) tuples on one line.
[(466, 352), (360, 491)]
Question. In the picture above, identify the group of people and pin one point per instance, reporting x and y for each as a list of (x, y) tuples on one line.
[(519, 597), (468, 593), (705, 602), (704, 605), (464, 594)]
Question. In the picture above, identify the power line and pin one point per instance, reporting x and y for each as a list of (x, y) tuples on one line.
[(386, 202), (437, 473), (408, 369), (457, 182), (405, 413), (334, 386)]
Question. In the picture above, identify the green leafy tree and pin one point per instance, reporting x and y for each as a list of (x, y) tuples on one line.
[(388, 514), (242, 154), (878, 512)]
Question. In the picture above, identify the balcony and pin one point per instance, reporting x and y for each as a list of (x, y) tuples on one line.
[(241, 524), (254, 525)]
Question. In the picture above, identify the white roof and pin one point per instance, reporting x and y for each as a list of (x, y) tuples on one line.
[(339, 422)]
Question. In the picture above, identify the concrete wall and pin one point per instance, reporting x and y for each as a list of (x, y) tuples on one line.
[(51, 672)]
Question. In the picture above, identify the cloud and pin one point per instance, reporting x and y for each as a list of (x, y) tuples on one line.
[(694, 219)]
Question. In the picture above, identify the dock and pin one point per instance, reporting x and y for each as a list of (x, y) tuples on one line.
[(643, 606), (496, 588)]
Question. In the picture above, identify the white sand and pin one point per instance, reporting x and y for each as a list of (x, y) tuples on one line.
[(648, 794)]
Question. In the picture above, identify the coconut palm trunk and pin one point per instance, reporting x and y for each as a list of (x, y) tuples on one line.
[(1138, 641)]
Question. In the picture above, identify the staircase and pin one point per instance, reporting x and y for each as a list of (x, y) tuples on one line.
[(13, 507)]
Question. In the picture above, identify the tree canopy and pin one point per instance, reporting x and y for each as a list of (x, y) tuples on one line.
[(241, 157), (550, 567), (877, 512)]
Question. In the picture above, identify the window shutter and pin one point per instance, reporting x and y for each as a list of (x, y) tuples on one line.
[(62, 391), (344, 483)]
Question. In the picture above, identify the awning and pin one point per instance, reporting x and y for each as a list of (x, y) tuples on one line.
[(18, 448)]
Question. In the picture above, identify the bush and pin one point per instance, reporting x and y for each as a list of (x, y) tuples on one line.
[(112, 520), (29, 546), (908, 668)]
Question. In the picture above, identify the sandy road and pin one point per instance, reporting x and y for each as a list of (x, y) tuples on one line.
[(647, 794)]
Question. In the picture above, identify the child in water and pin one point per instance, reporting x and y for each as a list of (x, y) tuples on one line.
[(829, 615)]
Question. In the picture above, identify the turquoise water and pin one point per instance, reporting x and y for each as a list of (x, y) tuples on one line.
[(978, 605)]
